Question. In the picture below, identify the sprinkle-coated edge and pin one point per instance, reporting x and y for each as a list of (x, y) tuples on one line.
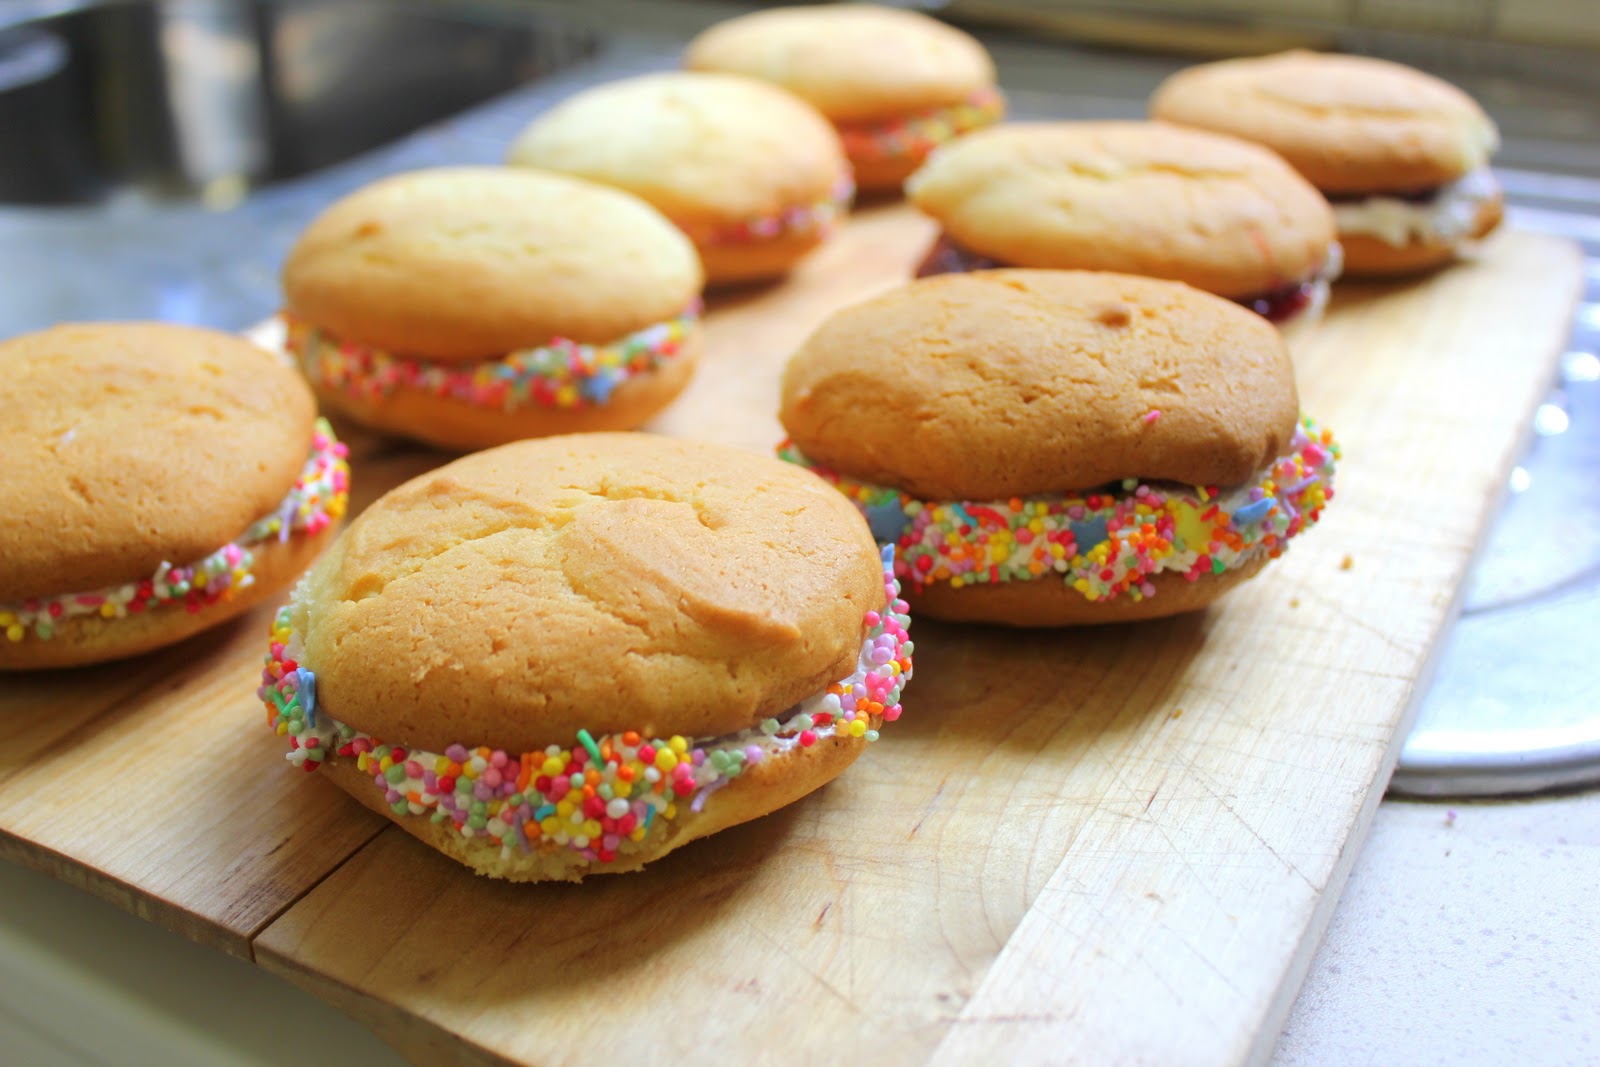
[(559, 374), (1104, 544), (316, 501), (918, 134), (601, 796), (819, 217)]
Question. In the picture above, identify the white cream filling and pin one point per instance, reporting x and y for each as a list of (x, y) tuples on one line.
[(1322, 285), (1447, 218)]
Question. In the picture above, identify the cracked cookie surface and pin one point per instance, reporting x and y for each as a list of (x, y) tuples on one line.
[(600, 581)]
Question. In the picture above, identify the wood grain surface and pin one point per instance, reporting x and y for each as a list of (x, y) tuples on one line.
[(1097, 846)]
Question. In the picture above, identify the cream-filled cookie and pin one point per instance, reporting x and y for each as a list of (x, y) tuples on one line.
[(573, 655), (896, 83), (1046, 448), (159, 480), (471, 306), (754, 175), (1402, 155)]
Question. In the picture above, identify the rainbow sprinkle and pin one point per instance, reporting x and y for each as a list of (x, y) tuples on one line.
[(1103, 544), (317, 501), (818, 217), (560, 374), (919, 134), (601, 796)]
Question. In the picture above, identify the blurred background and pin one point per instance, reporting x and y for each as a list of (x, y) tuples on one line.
[(209, 98)]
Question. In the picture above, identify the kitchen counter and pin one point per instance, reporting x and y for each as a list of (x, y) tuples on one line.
[(1465, 934)]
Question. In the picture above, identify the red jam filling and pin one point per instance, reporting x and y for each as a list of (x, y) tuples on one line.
[(1277, 305), (947, 257), (1410, 196), (1282, 304)]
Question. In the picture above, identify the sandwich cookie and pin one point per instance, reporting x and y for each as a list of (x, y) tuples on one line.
[(159, 481), (573, 655), (754, 175), (1403, 156), (896, 83), (1047, 448), (1137, 198), (471, 306)]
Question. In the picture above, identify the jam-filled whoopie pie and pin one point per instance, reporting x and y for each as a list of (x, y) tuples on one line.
[(1145, 198), (1403, 156)]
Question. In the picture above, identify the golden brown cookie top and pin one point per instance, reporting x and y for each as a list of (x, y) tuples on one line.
[(703, 148), (129, 445), (855, 62), (606, 582), (467, 263), (1134, 197), (1006, 383), (1350, 124)]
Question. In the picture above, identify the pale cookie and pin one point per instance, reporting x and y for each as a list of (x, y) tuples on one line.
[(476, 305), (897, 83), (754, 175)]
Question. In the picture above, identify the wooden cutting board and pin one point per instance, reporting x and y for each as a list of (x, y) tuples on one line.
[(1091, 846)]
